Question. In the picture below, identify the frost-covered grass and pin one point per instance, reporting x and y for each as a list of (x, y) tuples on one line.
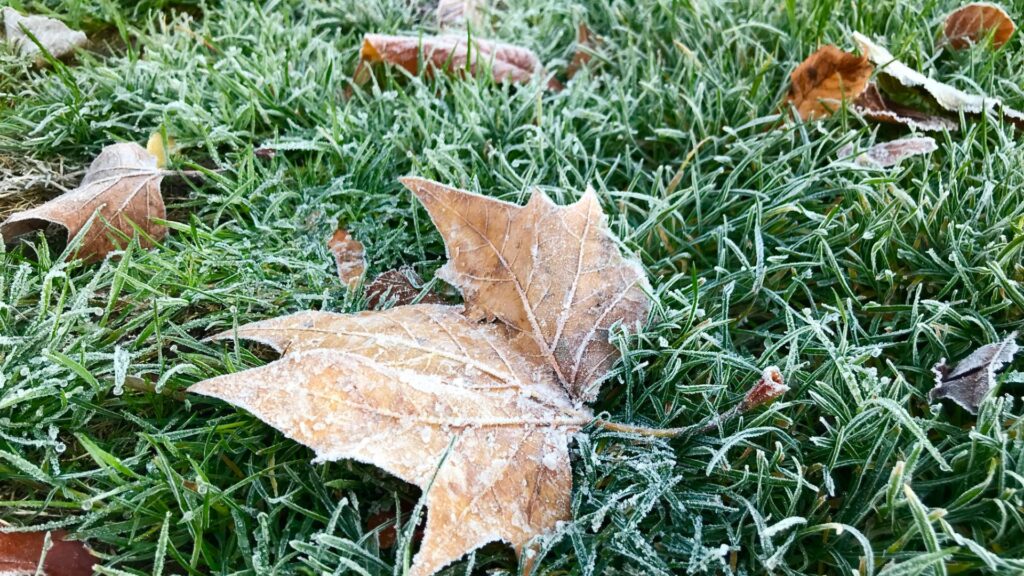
[(762, 247)]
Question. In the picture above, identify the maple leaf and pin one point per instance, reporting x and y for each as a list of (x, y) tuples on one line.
[(972, 23), (121, 187), (554, 274), (478, 414), (973, 377), (349, 257), (20, 553), (52, 34), (827, 79), (450, 53)]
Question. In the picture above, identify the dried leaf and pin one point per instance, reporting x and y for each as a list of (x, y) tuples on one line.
[(891, 153), (825, 80), (974, 22), (54, 35), (121, 187), (398, 388), (459, 13), (973, 377), (768, 388), (910, 88), (586, 41), (874, 105), (20, 553), (398, 287), (349, 256), (451, 54), (554, 274), (477, 414)]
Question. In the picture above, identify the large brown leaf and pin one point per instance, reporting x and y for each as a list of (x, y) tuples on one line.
[(410, 388), (52, 34), (121, 188), (20, 553), (451, 53), (827, 79), (478, 414), (552, 273), (972, 23)]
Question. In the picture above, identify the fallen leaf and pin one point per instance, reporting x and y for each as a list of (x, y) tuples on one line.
[(349, 256), (891, 153), (908, 87), (874, 105), (399, 287), (477, 414), (974, 22), (54, 35), (452, 53), (585, 43), (121, 187), (973, 377), (554, 274), (765, 391), (20, 553), (825, 80), (459, 13)]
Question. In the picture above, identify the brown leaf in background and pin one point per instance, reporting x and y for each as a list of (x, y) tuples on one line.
[(874, 105), (460, 13), (349, 257), (887, 154), (20, 553), (477, 414), (54, 35), (973, 377), (121, 187), (825, 80), (554, 274), (398, 287), (974, 22), (586, 41), (418, 391), (451, 54)]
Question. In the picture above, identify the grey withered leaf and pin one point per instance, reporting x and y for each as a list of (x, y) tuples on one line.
[(972, 378)]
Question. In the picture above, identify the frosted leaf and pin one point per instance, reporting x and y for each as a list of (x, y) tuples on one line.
[(54, 35), (553, 273), (973, 377), (121, 189), (887, 154), (348, 256)]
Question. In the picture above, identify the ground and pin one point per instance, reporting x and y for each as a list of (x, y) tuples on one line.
[(762, 246)]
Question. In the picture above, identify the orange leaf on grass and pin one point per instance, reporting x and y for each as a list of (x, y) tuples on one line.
[(974, 22), (349, 256), (827, 79)]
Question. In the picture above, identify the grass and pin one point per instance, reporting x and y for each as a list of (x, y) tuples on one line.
[(763, 247)]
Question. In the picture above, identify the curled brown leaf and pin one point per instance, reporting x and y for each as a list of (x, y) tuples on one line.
[(451, 54), (399, 287), (972, 23), (52, 34)]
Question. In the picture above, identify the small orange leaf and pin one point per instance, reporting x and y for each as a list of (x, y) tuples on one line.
[(452, 54), (826, 79), (349, 256), (20, 553), (585, 42), (974, 22)]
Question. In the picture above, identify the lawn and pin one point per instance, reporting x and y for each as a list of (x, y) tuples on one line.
[(763, 245)]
